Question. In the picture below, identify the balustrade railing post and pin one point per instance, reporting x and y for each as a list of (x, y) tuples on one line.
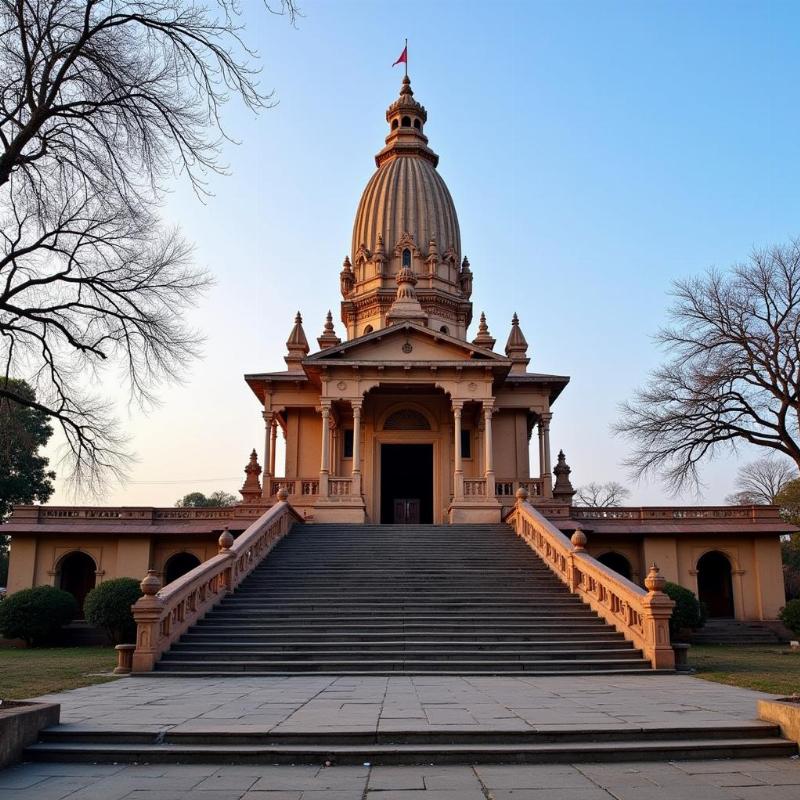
[(578, 540), (147, 613), (657, 608)]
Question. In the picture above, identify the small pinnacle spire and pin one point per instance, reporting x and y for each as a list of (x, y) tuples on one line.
[(328, 337), (406, 307), (517, 347), (484, 338), (562, 490), (251, 490), (347, 279), (297, 345)]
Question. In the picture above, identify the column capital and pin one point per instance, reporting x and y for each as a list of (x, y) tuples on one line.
[(545, 418), (457, 405), (356, 406)]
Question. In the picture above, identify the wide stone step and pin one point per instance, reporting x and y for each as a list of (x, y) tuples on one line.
[(397, 665), (663, 750), (499, 654), (321, 638), (191, 642)]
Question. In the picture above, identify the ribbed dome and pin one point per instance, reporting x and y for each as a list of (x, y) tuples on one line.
[(407, 195)]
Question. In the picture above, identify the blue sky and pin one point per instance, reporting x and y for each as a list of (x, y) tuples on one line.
[(595, 152)]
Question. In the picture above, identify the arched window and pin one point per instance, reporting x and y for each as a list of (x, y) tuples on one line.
[(714, 584), (178, 565), (406, 123), (406, 258), (417, 124), (394, 124), (445, 330), (77, 574), (368, 329), (617, 562)]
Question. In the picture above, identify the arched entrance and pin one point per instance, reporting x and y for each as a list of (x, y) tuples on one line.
[(77, 574), (714, 584), (618, 563), (178, 565)]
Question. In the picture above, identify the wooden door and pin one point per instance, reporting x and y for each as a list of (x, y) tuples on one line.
[(407, 511)]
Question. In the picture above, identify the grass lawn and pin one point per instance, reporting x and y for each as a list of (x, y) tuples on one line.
[(31, 672), (770, 668)]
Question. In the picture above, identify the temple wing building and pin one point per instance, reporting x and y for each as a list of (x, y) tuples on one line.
[(406, 420)]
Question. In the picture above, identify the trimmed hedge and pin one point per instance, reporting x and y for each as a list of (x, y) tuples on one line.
[(36, 615), (790, 616), (688, 612), (108, 606)]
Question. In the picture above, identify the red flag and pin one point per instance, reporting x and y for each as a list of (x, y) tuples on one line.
[(403, 57)]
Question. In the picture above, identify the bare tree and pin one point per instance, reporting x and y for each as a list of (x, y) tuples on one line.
[(759, 482), (601, 495), (102, 102), (733, 372)]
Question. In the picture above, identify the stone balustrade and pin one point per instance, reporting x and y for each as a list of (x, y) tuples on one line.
[(163, 615), (507, 487), (642, 616), (340, 487), (474, 487), (683, 513)]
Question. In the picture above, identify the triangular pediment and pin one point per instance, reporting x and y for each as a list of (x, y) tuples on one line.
[(405, 342)]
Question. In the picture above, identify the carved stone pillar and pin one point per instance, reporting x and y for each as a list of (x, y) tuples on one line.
[(545, 471), (488, 458), (458, 472), (356, 448), (269, 452), (273, 440), (325, 468)]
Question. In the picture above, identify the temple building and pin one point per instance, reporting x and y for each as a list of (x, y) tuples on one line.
[(408, 418)]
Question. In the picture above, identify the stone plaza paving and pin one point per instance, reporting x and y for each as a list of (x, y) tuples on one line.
[(380, 703)]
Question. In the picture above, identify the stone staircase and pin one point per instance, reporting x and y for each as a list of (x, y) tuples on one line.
[(734, 631), (359, 599)]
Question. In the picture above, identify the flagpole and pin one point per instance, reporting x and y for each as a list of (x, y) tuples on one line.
[(406, 61)]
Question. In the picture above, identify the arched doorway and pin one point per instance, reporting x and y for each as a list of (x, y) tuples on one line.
[(618, 563), (714, 584), (178, 565), (77, 574)]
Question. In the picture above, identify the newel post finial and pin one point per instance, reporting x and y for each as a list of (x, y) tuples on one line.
[(282, 494), (579, 540), (655, 582), (225, 540), (522, 495)]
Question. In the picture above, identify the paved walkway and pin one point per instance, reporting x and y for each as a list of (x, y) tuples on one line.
[(773, 779), (323, 703), (380, 703)]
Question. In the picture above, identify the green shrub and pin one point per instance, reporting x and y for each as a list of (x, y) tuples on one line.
[(688, 612), (790, 616), (108, 606), (36, 615)]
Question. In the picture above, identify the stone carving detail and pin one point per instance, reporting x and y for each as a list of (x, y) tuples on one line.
[(407, 419)]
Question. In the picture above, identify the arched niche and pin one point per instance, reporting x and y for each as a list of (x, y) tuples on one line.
[(76, 573), (618, 562), (177, 565), (715, 584)]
